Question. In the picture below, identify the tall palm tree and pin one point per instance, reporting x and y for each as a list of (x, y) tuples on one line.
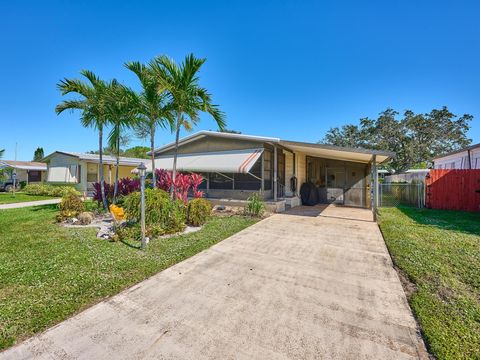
[(120, 105), (186, 97), (152, 107), (92, 106)]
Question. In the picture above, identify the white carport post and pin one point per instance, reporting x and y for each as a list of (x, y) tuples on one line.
[(275, 170), (374, 187)]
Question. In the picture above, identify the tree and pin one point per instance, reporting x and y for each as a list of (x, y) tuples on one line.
[(152, 108), (92, 106), (415, 138), (119, 111), (38, 155), (186, 98), (139, 152)]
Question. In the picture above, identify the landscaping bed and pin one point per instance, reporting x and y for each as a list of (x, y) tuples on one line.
[(438, 252), (50, 272)]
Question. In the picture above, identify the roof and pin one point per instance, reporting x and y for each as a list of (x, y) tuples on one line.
[(231, 161), (471, 147), (321, 150), (24, 165), (107, 159)]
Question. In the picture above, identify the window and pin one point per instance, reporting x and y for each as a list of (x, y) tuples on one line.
[(247, 181), (34, 176), (221, 181)]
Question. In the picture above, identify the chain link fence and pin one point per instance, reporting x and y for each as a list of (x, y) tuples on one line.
[(401, 194)]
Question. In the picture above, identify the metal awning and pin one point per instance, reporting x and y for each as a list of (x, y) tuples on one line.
[(232, 161)]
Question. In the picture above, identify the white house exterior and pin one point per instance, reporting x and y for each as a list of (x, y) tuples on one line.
[(83, 170), (468, 158)]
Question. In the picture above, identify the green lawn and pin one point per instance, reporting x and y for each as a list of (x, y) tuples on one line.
[(48, 273), (8, 198), (439, 251)]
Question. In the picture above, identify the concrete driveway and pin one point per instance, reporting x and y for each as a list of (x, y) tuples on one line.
[(313, 283)]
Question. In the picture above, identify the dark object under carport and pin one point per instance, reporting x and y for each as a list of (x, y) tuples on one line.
[(309, 194)]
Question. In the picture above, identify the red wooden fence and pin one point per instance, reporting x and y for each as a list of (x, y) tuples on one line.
[(453, 190)]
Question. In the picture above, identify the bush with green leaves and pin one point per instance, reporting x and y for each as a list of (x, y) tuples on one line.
[(166, 215), (255, 206), (198, 211), (70, 206), (50, 190)]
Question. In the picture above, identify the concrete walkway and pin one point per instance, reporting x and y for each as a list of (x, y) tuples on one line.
[(312, 283), (29, 203)]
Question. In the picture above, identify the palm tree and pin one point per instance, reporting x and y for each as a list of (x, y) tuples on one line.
[(186, 98), (152, 107), (92, 106), (120, 105)]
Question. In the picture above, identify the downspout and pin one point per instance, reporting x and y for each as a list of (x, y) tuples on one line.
[(275, 170)]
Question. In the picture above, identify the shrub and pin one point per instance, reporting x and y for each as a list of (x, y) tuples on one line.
[(125, 186), (160, 210), (255, 206), (50, 190), (198, 211), (70, 206), (128, 232)]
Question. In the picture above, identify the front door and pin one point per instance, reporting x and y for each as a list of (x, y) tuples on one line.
[(355, 189), (92, 176), (335, 185)]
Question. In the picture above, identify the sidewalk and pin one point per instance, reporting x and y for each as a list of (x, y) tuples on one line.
[(29, 203)]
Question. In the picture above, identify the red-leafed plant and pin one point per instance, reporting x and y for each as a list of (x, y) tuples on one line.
[(183, 184), (164, 179), (195, 181), (125, 187)]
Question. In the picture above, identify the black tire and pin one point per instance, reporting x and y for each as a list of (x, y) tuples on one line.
[(8, 188)]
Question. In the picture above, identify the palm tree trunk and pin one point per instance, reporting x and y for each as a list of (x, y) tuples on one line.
[(115, 187), (175, 154), (102, 181), (152, 150)]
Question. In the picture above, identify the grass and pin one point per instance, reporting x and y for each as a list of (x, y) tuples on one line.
[(48, 273), (8, 198), (439, 252)]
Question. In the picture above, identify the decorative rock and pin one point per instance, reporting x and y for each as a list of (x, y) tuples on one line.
[(85, 218)]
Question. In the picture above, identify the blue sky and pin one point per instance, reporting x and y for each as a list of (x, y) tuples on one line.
[(291, 69)]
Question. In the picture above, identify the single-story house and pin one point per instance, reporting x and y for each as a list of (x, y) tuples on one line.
[(83, 170), (467, 158), (235, 166), (26, 171)]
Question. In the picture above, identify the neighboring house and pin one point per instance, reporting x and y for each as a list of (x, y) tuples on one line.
[(26, 171), (467, 158), (409, 176), (235, 166), (382, 173), (83, 170)]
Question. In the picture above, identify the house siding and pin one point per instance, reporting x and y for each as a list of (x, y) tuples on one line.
[(209, 144), (459, 160)]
